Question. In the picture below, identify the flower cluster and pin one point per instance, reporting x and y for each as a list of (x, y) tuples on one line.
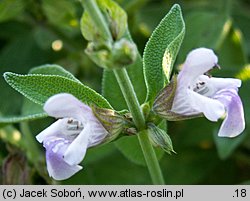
[(193, 93)]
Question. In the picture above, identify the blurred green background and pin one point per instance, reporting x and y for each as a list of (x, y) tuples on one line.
[(36, 32)]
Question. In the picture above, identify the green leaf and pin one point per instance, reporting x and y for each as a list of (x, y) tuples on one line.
[(31, 110), (130, 148), (10, 9), (47, 69), (53, 69), (38, 88), (15, 119), (226, 146), (161, 51)]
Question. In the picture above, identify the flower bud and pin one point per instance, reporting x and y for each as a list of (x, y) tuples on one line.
[(145, 109), (160, 138), (124, 53), (121, 54), (99, 54), (15, 169), (113, 122)]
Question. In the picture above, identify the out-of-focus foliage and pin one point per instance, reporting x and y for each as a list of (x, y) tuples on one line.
[(33, 33)]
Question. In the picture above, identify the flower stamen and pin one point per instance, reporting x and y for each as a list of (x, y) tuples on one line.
[(201, 88), (74, 125)]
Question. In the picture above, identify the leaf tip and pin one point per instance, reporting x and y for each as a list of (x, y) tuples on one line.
[(176, 7), (7, 75)]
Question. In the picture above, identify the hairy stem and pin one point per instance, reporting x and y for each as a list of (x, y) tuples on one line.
[(150, 158), (130, 97)]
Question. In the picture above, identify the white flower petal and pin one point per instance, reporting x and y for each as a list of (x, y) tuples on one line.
[(53, 129), (198, 62), (66, 105), (57, 168), (77, 149), (181, 104), (98, 133), (216, 84), (234, 123), (212, 109), (93, 134), (60, 170)]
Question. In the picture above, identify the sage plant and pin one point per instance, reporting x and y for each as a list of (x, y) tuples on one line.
[(87, 119)]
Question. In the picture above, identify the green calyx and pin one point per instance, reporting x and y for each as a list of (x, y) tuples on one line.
[(160, 138), (164, 100), (113, 122)]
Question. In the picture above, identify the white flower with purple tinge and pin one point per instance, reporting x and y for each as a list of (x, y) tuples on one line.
[(67, 140), (214, 97)]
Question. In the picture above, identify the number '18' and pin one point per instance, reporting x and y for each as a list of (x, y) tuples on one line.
[(241, 193)]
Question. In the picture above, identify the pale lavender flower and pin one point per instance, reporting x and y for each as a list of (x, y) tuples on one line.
[(198, 93), (66, 141)]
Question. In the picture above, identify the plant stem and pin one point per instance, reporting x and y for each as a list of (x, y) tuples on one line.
[(130, 98), (135, 109), (150, 158)]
